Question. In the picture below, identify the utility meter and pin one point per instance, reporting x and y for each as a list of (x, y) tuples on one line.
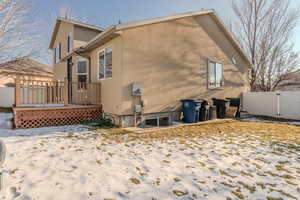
[(137, 89)]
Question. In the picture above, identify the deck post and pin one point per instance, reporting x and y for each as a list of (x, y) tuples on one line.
[(66, 92), (17, 91), (46, 93)]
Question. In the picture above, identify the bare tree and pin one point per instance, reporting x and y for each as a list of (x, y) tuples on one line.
[(19, 32), (265, 29)]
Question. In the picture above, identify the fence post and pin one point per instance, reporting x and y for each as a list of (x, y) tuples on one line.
[(17, 91), (66, 92), (278, 104)]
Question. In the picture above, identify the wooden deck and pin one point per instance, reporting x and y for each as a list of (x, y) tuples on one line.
[(55, 103), (56, 92)]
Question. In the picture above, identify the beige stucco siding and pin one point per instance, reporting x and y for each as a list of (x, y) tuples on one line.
[(60, 69), (111, 89), (82, 35), (170, 60)]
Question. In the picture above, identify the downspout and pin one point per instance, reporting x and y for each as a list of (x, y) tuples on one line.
[(90, 68)]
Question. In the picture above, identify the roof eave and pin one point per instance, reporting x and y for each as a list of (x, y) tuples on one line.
[(129, 25), (50, 75), (90, 26), (231, 37), (54, 32), (58, 22), (102, 38), (115, 31)]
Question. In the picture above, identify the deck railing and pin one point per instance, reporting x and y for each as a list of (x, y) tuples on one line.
[(31, 92), (84, 93)]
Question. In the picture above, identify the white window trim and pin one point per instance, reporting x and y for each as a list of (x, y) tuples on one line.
[(98, 69), (56, 56), (223, 82), (87, 68), (58, 53)]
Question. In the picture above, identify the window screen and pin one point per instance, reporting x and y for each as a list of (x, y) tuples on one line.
[(101, 65), (82, 69), (215, 75), (108, 62), (82, 66), (105, 63)]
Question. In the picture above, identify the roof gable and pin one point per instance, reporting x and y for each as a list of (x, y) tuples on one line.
[(211, 13), (26, 66), (59, 22), (116, 30)]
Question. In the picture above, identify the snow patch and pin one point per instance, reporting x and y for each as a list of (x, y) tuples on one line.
[(6, 120), (254, 119), (86, 165)]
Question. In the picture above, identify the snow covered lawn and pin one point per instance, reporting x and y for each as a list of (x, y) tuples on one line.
[(221, 160)]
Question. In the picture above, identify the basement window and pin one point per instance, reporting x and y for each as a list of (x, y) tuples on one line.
[(164, 121), (151, 122), (159, 121)]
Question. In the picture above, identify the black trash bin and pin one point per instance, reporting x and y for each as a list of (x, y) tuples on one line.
[(222, 106), (191, 110), (203, 111), (212, 113), (234, 102)]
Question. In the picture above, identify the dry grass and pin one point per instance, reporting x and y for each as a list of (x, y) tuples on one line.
[(5, 110), (233, 128), (273, 149)]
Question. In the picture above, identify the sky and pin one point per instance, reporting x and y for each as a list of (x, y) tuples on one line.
[(107, 12)]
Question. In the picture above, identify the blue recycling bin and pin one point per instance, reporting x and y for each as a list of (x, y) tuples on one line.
[(191, 110)]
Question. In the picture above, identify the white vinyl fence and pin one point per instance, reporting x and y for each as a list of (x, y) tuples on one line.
[(7, 96), (275, 104)]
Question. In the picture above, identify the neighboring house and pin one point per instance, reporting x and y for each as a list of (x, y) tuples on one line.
[(291, 82), (26, 69), (167, 59)]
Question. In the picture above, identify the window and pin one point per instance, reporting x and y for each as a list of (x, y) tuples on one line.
[(215, 75), (54, 52), (57, 53), (70, 42), (82, 69), (105, 63)]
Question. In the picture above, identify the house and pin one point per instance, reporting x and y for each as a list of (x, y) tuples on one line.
[(291, 82), (146, 67), (26, 68)]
